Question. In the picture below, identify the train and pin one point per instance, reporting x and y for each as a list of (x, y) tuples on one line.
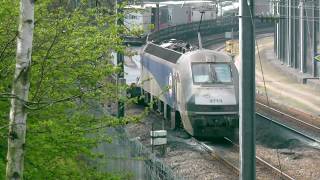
[(195, 88)]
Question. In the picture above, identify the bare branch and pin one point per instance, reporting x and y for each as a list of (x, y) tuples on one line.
[(2, 127), (7, 45), (43, 104), (43, 64)]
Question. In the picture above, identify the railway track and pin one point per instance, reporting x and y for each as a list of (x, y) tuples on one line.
[(211, 150), (264, 169), (229, 157), (307, 130)]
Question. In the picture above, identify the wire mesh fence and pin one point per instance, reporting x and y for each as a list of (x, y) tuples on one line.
[(131, 156), (155, 169)]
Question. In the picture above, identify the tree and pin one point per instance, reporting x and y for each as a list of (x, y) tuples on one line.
[(68, 88), (20, 92)]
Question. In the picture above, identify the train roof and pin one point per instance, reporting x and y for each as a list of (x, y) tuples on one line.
[(173, 56), (163, 53), (209, 56)]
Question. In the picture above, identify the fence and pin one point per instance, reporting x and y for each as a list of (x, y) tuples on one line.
[(209, 27), (154, 168), (150, 167), (186, 31)]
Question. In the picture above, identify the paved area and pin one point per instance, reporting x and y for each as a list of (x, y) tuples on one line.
[(281, 83)]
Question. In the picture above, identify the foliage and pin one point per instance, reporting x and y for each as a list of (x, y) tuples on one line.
[(8, 29), (69, 86)]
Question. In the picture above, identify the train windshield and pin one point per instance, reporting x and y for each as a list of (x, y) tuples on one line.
[(211, 73)]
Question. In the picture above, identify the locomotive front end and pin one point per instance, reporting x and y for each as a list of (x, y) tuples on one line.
[(212, 107), (213, 111)]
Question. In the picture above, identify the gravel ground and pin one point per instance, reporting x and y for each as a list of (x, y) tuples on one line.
[(189, 161), (300, 163), (186, 159)]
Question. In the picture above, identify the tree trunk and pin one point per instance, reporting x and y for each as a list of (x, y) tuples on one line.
[(20, 91)]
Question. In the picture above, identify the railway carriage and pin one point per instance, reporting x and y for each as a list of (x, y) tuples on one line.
[(199, 87)]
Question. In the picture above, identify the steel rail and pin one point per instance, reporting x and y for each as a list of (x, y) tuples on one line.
[(264, 163), (288, 115), (236, 169), (215, 155), (275, 170), (289, 128)]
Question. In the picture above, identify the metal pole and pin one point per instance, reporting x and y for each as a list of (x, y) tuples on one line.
[(289, 43), (302, 38), (199, 34), (157, 16), (296, 34), (120, 75), (291, 32), (247, 90), (315, 36), (281, 31), (275, 42), (120, 83), (278, 32), (286, 34)]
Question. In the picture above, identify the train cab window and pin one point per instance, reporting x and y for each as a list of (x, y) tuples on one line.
[(223, 73), (211, 73)]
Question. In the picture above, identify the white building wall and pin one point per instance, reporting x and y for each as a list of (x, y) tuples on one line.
[(208, 15), (147, 20), (178, 15)]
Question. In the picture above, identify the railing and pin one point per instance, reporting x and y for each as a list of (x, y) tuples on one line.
[(189, 31), (186, 31)]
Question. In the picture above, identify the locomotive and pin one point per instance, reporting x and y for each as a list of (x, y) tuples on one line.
[(197, 88)]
